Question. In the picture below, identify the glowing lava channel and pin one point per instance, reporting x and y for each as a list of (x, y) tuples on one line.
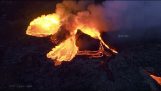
[(48, 25)]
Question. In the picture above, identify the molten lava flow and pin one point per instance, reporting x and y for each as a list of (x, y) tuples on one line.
[(95, 54), (50, 24), (65, 51), (90, 31), (44, 25), (156, 78), (64, 24), (94, 33)]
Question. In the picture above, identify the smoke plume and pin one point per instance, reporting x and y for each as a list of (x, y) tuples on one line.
[(83, 12), (136, 20)]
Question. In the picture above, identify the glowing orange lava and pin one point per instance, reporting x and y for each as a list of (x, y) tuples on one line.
[(48, 25), (44, 25), (65, 51), (156, 78)]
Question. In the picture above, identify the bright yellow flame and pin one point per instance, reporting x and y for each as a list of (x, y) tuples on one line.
[(156, 78), (65, 51), (44, 25)]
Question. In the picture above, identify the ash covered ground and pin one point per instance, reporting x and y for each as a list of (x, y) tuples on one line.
[(23, 64)]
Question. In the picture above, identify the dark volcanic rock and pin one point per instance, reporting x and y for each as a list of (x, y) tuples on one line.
[(28, 67)]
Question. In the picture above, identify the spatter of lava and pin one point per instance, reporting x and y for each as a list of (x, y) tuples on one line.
[(70, 23)]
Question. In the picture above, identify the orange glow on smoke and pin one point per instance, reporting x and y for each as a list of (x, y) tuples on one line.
[(156, 78)]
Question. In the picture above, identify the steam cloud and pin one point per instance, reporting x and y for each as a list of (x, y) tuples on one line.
[(137, 20), (86, 13), (134, 14)]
